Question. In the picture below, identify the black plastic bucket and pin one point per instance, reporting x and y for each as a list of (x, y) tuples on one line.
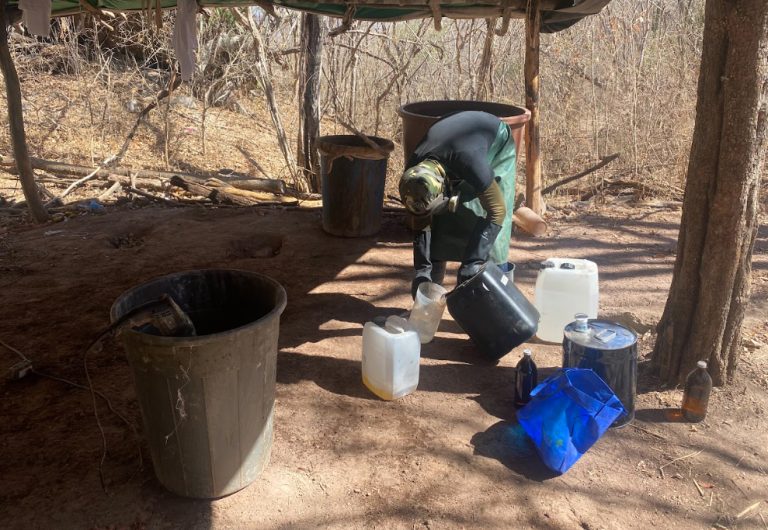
[(611, 351), (207, 401), (353, 175), (493, 312)]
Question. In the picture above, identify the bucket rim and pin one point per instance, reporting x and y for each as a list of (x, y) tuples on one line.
[(519, 112), (569, 336), (336, 142), (275, 312)]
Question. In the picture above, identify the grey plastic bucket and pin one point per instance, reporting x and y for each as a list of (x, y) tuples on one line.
[(207, 402)]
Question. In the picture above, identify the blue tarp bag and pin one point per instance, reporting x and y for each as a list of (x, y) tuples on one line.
[(567, 414)]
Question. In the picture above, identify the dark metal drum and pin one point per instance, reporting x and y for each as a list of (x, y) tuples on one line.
[(611, 351)]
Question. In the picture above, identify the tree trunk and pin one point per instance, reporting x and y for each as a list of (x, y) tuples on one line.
[(532, 148), (711, 283), (485, 74), (309, 98), (16, 124)]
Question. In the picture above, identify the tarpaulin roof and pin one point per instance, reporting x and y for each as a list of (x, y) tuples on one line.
[(556, 14)]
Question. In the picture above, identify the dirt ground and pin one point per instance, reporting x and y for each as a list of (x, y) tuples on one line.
[(447, 456)]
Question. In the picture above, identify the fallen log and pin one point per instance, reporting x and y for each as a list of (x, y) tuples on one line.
[(261, 184), (257, 196), (228, 194), (150, 184)]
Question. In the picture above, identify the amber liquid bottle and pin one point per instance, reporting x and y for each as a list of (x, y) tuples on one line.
[(698, 385), (526, 379)]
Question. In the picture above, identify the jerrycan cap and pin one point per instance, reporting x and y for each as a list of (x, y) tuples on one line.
[(599, 334)]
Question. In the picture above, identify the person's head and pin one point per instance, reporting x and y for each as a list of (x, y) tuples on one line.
[(422, 188)]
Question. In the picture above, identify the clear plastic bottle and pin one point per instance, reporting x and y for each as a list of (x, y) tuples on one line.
[(698, 386), (526, 379), (428, 308)]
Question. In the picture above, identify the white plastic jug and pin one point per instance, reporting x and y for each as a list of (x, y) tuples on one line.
[(428, 308), (391, 358), (565, 287)]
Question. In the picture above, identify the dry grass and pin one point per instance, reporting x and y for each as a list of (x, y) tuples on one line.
[(620, 82)]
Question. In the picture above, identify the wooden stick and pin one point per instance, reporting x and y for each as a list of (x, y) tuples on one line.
[(681, 458), (112, 189), (16, 123), (748, 509), (532, 138), (603, 162), (648, 432), (78, 183), (701, 491)]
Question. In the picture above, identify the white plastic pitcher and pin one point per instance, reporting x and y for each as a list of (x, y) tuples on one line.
[(565, 287), (428, 308), (391, 358)]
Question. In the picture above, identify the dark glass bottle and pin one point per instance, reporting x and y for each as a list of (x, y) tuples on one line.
[(526, 379), (698, 385)]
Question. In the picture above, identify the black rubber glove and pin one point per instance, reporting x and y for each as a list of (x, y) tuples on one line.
[(478, 249)]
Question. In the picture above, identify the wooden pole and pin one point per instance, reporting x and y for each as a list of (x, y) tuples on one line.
[(532, 148), (16, 124), (309, 97)]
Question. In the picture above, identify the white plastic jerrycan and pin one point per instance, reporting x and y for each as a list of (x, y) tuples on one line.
[(428, 308), (565, 287), (391, 358)]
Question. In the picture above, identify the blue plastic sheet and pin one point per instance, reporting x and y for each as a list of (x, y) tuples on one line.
[(567, 414)]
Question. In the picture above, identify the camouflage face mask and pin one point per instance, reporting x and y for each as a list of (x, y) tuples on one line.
[(422, 188)]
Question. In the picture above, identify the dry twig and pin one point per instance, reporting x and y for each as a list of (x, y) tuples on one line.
[(681, 458), (748, 509), (701, 491)]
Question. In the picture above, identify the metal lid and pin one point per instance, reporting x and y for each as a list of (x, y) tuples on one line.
[(601, 335)]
